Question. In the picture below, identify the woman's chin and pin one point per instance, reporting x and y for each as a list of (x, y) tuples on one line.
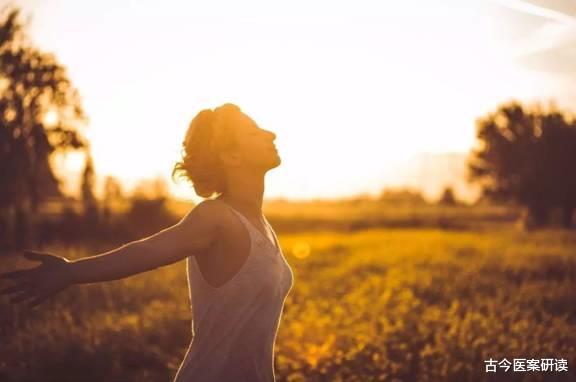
[(276, 162)]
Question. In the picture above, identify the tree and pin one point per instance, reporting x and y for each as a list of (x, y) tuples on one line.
[(148, 211), (402, 196), (33, 86), (529, 156), (447, 198), (152, 189), (112, 195), (87, 192)]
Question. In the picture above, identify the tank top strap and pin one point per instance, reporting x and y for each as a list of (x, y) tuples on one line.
[(255, 235), (244, 221)]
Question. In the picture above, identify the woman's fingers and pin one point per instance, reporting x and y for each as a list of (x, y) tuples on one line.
[(20, 275), (33, 256), (21, 297), (34, 285), (15, 274), (46, 259), (13, 289), (21, 272)]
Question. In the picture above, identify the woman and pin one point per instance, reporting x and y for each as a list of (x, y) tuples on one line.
[(238, 277)]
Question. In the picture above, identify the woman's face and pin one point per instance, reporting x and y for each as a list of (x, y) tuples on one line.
[(255, 146)]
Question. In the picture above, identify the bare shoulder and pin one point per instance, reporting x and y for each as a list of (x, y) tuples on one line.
[(209, 212), (200, 228)]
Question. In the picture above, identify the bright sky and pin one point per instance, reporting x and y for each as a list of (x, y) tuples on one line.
[(352, 89)]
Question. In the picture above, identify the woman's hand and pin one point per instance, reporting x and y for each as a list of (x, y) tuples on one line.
[(35, 285)]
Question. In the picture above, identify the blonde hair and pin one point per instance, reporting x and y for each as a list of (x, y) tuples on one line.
[(210, 132)]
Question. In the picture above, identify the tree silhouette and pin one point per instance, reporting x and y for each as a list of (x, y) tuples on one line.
[(402, 196), (447, 198), (87, 186), (529, 156), (148, 206), (33, 86), (112, 195)]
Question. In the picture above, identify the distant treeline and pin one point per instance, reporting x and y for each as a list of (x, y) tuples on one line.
[(119, 218)]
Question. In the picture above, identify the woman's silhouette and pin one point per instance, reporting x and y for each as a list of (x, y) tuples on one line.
[(238, 277)]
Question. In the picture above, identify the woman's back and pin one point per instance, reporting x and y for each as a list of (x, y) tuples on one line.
[(234, 325)]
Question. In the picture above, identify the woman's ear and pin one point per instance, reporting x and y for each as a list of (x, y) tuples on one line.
[(229, 158)]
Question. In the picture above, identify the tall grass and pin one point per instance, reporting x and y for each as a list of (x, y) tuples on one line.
[(376, 304)]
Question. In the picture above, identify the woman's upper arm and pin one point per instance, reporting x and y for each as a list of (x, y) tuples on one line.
[(194, 234)]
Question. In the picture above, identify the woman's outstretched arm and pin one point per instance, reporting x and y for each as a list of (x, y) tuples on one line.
[(192, 235), (195, 233)]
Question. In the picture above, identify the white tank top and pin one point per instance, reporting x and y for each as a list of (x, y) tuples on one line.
[(234, 326)]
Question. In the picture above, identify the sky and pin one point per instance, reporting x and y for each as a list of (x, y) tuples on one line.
[(354, 90)]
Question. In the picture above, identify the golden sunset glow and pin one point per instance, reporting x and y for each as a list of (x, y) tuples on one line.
[(382, 190), (352, 90)]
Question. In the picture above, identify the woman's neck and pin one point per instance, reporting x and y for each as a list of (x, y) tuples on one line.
[(246, 193)]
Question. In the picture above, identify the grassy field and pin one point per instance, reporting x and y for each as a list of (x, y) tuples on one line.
[(416, 304)]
